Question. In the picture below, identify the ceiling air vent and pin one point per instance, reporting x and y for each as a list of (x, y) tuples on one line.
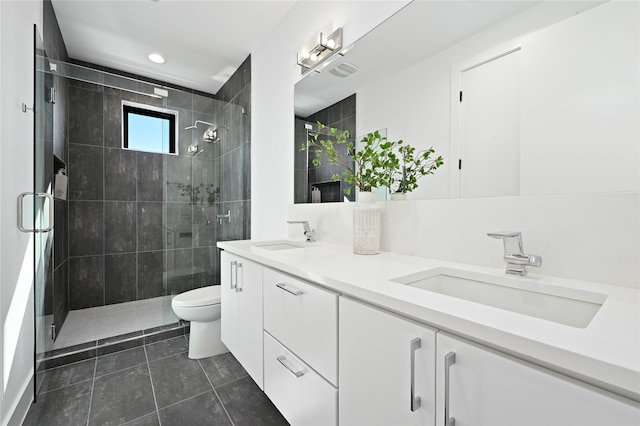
[(343, 69)]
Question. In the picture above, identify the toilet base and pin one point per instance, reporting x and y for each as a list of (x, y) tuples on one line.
[(205, 340)]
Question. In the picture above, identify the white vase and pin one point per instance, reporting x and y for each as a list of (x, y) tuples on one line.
[(398, 196), (366, 225)]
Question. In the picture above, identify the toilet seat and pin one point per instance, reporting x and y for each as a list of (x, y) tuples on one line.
[(204, 296)]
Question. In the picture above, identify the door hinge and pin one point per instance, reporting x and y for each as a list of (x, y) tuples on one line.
[(52, 95), (461, 96), (460, 164)]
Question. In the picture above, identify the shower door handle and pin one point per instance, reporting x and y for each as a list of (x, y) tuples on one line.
[(44, 195)]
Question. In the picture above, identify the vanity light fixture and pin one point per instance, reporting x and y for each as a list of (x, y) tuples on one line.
[(156, 58), (327, 47)]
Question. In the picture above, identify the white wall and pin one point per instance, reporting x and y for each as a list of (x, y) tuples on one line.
[(16, 176), (415, 104), (580, 125), (274, 73)]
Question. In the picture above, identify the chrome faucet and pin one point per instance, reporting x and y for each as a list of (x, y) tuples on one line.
[(308, 232), (517, 261)]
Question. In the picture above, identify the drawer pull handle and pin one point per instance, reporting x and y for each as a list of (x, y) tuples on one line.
[(282, 360), (233, 282), (415, 400), (449, 360), (239, 277), (293, 291)]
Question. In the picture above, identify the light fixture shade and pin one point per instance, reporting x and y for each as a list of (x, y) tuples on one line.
[(327, 47)]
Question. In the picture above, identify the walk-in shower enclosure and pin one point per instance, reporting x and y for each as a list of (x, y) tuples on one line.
[(137, 225)]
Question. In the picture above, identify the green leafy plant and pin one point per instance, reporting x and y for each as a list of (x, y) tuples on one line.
[(365, 167), (411, 166), (194, 193), (375, 162)]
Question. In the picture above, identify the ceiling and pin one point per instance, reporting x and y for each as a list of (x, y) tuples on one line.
[(203, 42)]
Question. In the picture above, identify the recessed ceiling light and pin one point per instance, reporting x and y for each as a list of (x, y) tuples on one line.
[(156, 57)]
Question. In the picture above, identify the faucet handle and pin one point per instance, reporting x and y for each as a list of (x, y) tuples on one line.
[(311, 236), (504, 234), (514, 256), (512, 241)]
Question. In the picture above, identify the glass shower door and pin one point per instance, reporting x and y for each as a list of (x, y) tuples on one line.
[(42, 210)]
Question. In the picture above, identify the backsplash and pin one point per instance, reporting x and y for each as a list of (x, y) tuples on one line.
[(592, 237)]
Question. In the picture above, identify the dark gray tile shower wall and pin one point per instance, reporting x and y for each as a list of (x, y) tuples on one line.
[(143, 225), (341, 115)]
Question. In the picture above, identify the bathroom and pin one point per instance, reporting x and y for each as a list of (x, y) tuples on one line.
[(552, 215)]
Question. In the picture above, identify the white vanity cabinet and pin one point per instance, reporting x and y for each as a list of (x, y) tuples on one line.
[(304, 318), (479, 386), (301, 349), (386, 367), (302, 395), (241, 310)]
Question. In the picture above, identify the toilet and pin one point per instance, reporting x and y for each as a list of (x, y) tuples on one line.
[(202, 308)]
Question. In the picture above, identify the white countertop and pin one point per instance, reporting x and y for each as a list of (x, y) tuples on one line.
[(606, 353)]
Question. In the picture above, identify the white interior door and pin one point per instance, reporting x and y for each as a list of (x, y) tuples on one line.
[(490, 128)]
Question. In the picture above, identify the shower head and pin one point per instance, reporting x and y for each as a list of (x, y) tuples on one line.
[(210, 135)]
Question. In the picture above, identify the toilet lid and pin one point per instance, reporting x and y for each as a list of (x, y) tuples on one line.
[(204, 296)]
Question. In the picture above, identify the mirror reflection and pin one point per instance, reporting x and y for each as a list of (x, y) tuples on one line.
[(513, 95), (315, 183)]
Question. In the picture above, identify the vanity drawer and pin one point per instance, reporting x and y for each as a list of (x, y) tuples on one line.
[(304, 318), (300, 394)]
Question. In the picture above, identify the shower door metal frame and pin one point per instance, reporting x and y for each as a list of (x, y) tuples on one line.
[(43, 220)]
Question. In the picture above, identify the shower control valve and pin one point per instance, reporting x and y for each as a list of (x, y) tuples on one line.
[(227, 216)]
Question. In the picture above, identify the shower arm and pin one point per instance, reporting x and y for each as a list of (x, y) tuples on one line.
[(195, 125)]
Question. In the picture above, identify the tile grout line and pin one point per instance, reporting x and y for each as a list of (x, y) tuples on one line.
[(64, 386), (93, 385), (153, 390), (234, 380), (216, 393), (186, 399)]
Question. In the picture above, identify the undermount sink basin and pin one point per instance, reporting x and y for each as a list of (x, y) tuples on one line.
[(523, 295), (279, 245)]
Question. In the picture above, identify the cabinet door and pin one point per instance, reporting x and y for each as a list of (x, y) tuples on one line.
[(376, 371), (300, 394), (304, 318), (241, 311), (229, 301), (490, 388), (250, 331)]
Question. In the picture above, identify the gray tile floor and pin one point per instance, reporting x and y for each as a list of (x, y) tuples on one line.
[(155, 384)]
